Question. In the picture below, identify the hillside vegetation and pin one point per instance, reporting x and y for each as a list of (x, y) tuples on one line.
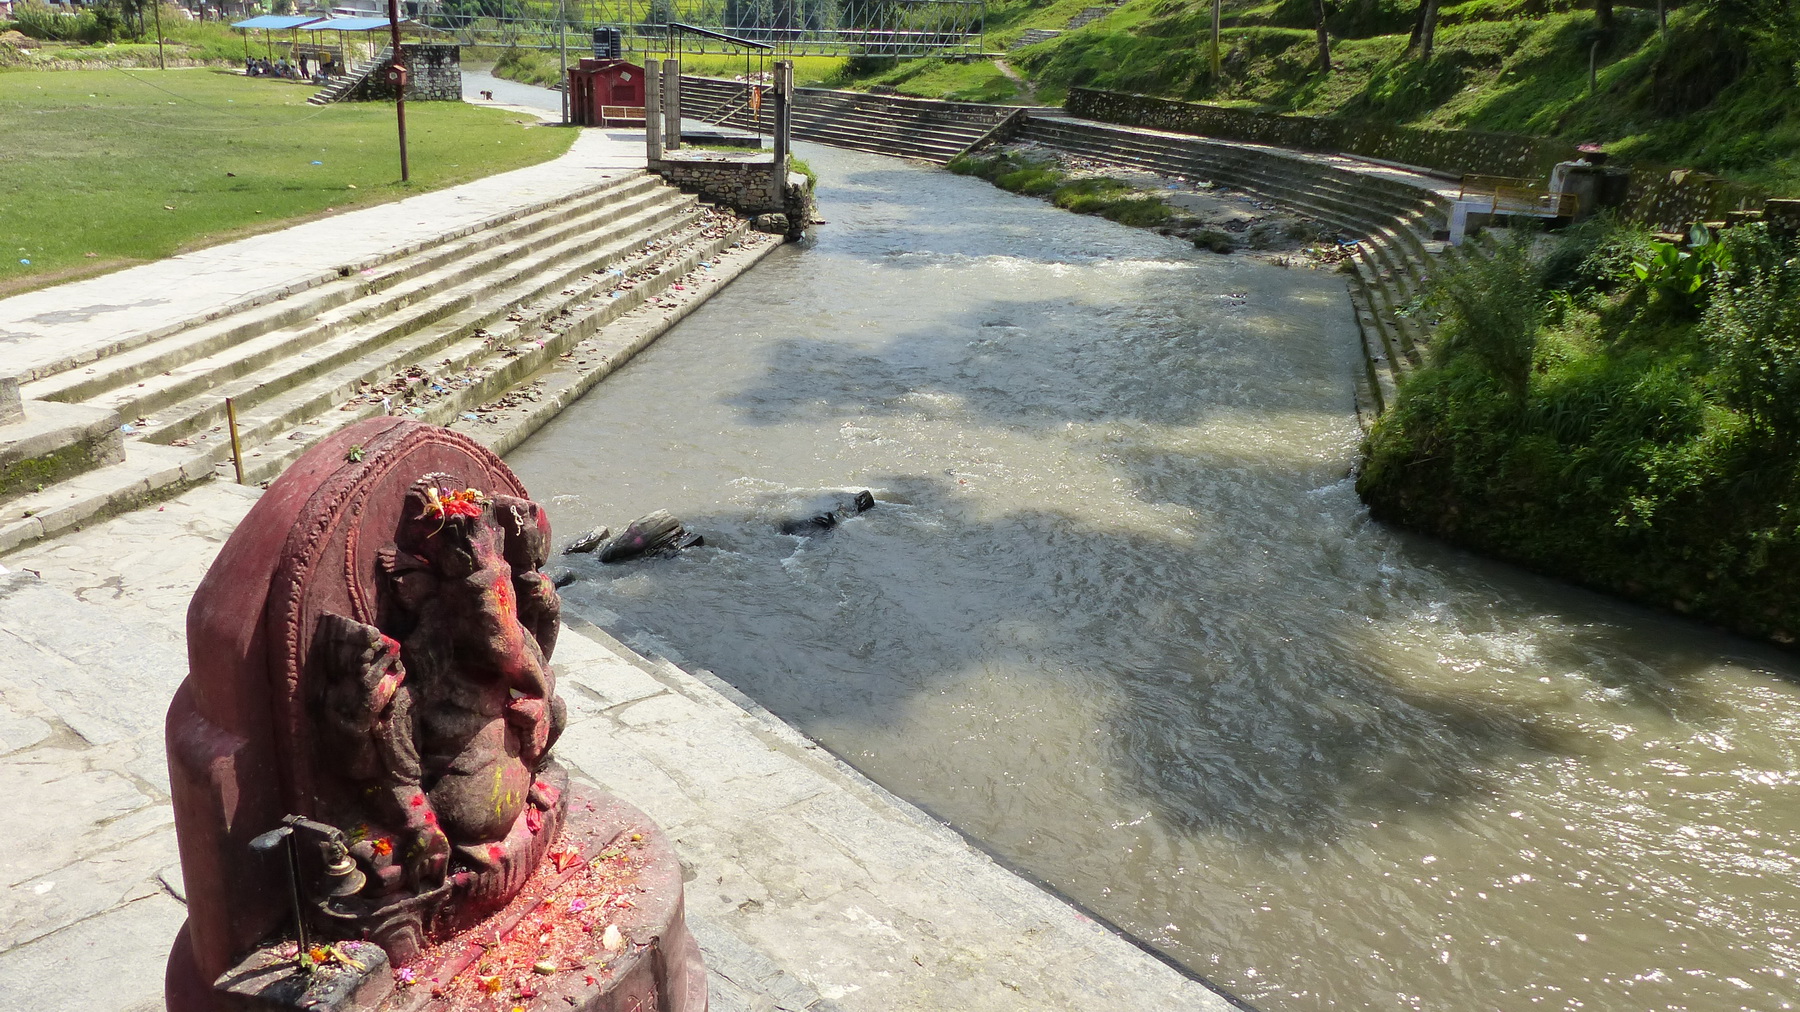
[(1715, 90), (1618, 411)]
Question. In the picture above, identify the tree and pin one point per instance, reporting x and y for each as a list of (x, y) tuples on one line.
[(1424, 32), (1324, 39), (1603, 15)]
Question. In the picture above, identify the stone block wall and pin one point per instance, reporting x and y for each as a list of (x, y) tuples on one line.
[(1658, 197), (1455, 152), (434, 74), (747, 183)]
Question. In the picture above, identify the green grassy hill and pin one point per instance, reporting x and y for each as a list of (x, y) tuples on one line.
[(1716, 90)]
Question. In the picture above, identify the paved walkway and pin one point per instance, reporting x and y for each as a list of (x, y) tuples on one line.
[(79, 320)]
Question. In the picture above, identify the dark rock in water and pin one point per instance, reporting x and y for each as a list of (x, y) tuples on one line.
[(658, 533), (587, 541), (818, 523), (560, 577), (810, 525)]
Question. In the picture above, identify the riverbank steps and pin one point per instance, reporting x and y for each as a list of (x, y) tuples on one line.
[(883, 124), (436, 306)]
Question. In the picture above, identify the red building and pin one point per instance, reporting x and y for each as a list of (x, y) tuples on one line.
[(606, 93)]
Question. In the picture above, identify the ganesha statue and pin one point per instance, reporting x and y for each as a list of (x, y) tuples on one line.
[(435, 722)]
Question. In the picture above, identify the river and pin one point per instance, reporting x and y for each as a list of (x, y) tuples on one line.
[(1120, 616)]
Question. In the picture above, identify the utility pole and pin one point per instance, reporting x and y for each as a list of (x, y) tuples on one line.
[(397, 77)]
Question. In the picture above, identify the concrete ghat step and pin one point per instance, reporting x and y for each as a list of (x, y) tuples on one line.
[(316, 312), (298, 351), (151, 470), (450, 352), (146, 472), (52, 442), (1241, 166), (476, 303), (353, 270), (495, 370)]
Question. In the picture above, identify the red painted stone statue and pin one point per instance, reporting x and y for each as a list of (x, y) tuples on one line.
[(360, 756)]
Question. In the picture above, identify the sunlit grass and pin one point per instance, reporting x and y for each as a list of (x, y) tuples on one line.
[(136, 165)]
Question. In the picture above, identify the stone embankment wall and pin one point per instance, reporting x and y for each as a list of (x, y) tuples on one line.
[(434, 74), (1449, 151), (1659, 197), (747, 183)]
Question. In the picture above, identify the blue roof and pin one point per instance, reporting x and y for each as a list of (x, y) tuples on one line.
[(349, 25), (277, 21)]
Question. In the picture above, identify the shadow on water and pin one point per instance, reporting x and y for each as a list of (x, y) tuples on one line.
[(1025, 362), (1271, 730)]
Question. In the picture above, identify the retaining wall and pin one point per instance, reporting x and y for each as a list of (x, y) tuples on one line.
[(747, 183), (1659, 196), (1450, 151), (434, 74)]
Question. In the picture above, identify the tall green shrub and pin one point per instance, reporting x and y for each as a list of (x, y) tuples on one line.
[(1493, 307), (1753, 328)]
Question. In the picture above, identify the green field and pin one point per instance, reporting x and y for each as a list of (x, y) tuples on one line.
[(104, 168)]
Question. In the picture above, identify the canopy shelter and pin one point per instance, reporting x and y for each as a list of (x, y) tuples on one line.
[(351, 25), (272, 23)]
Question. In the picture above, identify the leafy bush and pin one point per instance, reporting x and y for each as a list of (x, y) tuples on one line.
[(1647, 453), (1492, 308), (41, 22), (1753, 326), (1679, 276)]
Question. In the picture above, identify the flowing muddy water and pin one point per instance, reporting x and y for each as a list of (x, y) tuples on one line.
[(1120, 616)]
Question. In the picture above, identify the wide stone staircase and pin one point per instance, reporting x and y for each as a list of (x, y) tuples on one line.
[(344, 85), (1393, 213), (885, 124), (435, 333)]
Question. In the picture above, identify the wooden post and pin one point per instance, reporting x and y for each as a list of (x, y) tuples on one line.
[(237, 448), (562, 45), (161, 64)]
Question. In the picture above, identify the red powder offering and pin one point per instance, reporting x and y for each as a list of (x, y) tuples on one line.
[(561, 930)]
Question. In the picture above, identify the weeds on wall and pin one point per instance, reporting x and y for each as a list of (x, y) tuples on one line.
[(1610, 426)]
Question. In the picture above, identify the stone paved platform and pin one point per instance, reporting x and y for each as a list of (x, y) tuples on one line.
[(810, 887), (75, 320)]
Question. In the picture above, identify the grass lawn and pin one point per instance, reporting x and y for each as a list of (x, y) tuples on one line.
[(101, 169)]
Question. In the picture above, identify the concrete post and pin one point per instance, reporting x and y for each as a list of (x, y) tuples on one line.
[(671, 77), (784, 116), (653, 99)]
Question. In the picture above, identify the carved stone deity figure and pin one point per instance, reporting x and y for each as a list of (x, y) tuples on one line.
[(436, 721), (361, 751)]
